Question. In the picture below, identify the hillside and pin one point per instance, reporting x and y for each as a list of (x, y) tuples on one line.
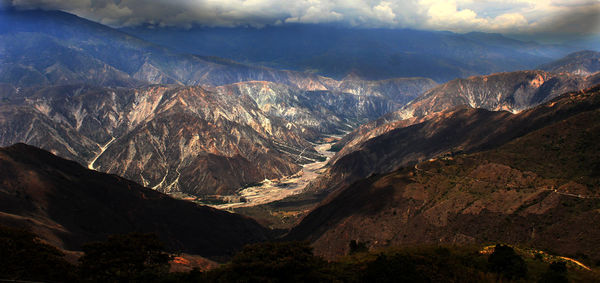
[(153, 135), (68, 205), (513, 92), (537, 189)]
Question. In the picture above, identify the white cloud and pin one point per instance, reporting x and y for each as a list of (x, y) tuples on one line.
[(505, 16), (384, 12)]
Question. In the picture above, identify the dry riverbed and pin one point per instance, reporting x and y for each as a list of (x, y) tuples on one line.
[(273, 190), (269, 190)]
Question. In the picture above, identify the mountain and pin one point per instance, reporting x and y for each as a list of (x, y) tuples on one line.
[(531, 179), (372, 54), (397, 144), (52, 47), (171, 138), (192, 139), (68, 205), (350, 102), (513, 92), (83, 91), (582, 63)]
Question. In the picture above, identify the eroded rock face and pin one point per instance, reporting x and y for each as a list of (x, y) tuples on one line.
[(187, 139), (342, 106), (154, 135), (512, 92)]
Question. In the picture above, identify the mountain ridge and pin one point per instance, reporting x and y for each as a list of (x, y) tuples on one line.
[(68, 205), (501, 194)]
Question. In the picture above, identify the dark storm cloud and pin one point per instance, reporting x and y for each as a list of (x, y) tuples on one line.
[(558, 17)]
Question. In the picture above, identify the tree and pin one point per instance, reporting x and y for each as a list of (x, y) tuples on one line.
[(273, 262), (509, 264), (132, 257)]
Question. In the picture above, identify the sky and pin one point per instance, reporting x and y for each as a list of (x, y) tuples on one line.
[(548, 20)]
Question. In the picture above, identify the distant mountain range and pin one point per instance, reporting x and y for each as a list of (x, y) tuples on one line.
[(580, 63), (79, 89), (369, 53)]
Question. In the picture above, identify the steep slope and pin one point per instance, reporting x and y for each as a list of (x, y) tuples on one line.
[(350, 102), (580, 63), (154, 135), (201, 142), (540, 189), (514, 92), (460, 129), (68, 205)]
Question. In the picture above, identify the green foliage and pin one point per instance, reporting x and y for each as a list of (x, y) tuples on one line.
[(24, 257), (509, 264), (125, 258), (273, 262)]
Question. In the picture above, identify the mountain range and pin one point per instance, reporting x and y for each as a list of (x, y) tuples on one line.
[(438, 138), (529, 179), (375, 54), (79, 89)]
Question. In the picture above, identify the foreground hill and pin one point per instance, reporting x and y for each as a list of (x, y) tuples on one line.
[(68, 205), (539, 187)]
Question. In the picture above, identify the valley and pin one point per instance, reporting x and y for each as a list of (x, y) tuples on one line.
[(294, 151), (269, 191)]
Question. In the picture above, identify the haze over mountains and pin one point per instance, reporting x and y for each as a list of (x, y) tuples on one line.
[(78, 122), (369, 53), (439, 137)]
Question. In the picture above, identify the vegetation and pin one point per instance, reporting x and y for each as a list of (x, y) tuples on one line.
[(505, 261), (273, 262), (141, 258), (124, 258), (23, 256)]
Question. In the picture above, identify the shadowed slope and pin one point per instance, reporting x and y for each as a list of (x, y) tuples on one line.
[(69, 205), (541, 189)]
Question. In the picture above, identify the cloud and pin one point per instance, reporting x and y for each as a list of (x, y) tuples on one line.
[(504, 16)]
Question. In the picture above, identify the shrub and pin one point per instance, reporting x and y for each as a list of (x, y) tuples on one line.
[(125, 258)]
